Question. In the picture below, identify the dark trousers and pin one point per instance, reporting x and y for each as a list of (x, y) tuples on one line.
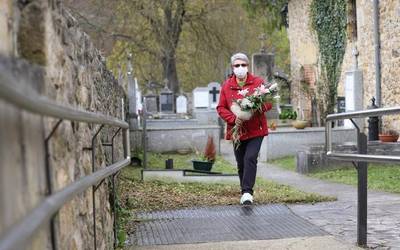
[(246, 157)]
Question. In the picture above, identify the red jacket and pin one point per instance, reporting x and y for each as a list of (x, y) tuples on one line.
[(257, 125)]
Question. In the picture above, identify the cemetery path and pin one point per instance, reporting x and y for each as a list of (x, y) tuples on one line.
[(338, 218)]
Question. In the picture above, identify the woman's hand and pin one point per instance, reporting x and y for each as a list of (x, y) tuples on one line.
[(238, 122)]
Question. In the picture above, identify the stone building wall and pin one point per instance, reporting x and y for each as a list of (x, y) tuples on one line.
[(44, 44), (304, 50), (389, 28)]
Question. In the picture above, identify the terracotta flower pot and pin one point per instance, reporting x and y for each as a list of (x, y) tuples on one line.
[(300, 124), (388, 138)]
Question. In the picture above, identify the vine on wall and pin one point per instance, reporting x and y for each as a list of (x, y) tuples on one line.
[(328, 20)]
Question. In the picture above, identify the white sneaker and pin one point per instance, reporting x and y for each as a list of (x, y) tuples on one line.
[(247, 199)]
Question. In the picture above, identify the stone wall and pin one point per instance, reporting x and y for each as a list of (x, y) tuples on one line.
[(71, 71), (389, 29), (304, 50), (275, 145), (313, 158)]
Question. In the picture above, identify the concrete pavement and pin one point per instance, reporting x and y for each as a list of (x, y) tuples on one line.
[(338, 218), (309, 243)]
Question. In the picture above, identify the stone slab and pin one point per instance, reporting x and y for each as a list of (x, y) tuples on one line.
[(206, 116), (287, 141), (182, 176), (191, 137)]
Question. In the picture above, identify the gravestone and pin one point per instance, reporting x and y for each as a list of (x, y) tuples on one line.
[(166, 101), (201, 98), (139, 105), (214, 90), (263, 65), (201, 106), (132, 95), (354, 95), (151, 103), (341, 108), (181, 105)]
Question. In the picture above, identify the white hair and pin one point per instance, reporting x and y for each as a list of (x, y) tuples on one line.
[(239, 56)]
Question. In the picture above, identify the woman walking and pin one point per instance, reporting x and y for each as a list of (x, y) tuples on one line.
[(252, 130)]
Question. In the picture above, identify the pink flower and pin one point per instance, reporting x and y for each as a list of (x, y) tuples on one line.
[(243, 92), (263, 89)]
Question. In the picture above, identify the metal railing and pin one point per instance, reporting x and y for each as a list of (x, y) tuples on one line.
[(360, 160), (17, 92)]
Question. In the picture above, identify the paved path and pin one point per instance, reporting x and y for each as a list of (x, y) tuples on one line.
[(306, 243), (338, 218)]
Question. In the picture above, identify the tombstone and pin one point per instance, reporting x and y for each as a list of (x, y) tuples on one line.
[(263, 65), (354, 95), (132, 95), (181, 105), (166, 101), (341, 108), (151, 103), (214, 89), (201, 98)]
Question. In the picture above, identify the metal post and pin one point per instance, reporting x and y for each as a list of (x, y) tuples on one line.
[(94, 186), (114, 194), (362, 191), (49, 184), (377, 49), (144, 134), (362, 170)]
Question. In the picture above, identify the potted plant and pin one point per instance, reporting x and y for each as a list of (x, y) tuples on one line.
[(287, 114), (207, 159), (300, 123), (389, 135)]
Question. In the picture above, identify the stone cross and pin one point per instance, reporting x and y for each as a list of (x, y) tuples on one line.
[(262, 37), (214, 93), (213, 90)]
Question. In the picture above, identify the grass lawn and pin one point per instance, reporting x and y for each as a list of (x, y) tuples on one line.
[(136, 195), (384, 177), (287, 162), (380, 177)]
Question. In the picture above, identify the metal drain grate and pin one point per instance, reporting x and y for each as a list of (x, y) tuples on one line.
[(222, 223)]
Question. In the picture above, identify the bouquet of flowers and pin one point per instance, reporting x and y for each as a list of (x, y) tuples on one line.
[(249, 103)]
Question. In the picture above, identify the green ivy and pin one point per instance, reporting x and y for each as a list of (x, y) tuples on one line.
[(328, 20)]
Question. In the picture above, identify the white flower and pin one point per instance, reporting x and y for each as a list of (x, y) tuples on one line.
[(243, 92), (273, 86), (277, 97), (246, 103)]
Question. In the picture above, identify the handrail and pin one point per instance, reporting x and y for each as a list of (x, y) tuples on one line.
[(358, 114), (363, 113), (363, 158), (19, 93), (30, 100), (18, 234), (360, 160)]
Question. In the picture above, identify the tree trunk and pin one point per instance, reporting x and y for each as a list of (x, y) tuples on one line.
[(170, 73)]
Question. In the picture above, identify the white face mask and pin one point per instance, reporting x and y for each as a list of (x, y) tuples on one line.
[(240, 72)]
